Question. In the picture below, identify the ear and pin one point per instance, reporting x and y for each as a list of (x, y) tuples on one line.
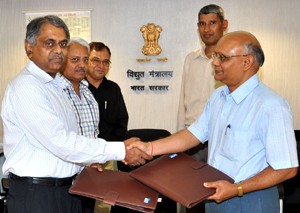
[(248, 62), (28, 49), (225, 25)]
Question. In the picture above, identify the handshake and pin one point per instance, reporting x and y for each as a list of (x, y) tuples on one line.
[(137, 152)]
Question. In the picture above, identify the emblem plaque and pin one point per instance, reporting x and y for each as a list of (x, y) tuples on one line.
[(151, 33)]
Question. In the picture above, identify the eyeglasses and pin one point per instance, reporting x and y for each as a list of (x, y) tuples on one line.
[(97, 61), (224, 58), (77, 59)]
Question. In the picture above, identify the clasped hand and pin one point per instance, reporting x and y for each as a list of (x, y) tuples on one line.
[(135, 156)]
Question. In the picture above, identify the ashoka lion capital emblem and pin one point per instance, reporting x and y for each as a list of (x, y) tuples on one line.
[(151, 33)]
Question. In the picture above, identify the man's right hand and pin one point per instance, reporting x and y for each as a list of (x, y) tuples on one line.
[(135, 156)]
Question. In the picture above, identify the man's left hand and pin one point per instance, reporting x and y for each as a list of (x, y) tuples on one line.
[(224, 190)]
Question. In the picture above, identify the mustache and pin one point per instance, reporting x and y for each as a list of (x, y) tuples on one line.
[(57, 56), (81, 69)]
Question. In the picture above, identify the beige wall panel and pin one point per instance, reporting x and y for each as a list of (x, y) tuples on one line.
[(117, 23)]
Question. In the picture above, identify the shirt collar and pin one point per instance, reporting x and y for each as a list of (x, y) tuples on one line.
[(242, 91), (38, 72), (65, 83), (104, 83), (200, 52)]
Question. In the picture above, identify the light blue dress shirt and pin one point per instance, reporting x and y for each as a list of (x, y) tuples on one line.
[(247, 130), (40, 129)]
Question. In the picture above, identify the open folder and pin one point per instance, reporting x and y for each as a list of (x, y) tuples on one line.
[(115, 188), (179, 177)]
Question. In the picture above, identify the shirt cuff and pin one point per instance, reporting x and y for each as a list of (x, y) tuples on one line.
[(116, 150)]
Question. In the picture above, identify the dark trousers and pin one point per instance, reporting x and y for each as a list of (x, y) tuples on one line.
[(88, 204), (24, 197)]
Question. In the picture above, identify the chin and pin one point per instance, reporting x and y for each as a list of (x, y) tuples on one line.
[(57, 66), (219, 78)]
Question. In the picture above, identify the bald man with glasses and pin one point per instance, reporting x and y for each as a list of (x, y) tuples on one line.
[(249, 129)]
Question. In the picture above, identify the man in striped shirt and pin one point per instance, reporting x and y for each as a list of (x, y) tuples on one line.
[(82, 100)]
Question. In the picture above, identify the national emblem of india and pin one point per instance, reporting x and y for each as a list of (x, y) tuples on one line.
[(151, 33)]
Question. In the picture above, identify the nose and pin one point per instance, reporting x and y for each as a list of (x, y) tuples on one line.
[(57, 48), (82, 63), (206, 28), (83, 68), (100, 64), (216, 61)]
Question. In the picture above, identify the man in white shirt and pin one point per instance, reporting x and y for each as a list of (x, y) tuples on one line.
[(42, 146), (197, 80)]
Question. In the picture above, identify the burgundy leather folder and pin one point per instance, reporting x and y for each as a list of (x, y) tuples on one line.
[(115, 188), (179, 177)]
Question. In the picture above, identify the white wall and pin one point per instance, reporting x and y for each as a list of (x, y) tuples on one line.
[(117, 23)]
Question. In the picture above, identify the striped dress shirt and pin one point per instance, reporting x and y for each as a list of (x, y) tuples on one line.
[(41, 136)]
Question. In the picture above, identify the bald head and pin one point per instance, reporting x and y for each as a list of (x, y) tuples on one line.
[(237, 57), (246, 42)]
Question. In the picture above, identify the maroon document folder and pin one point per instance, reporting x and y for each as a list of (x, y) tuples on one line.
[(179, 177), (115, 188)]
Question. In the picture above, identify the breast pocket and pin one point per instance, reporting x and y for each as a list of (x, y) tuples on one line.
[(235, 144)]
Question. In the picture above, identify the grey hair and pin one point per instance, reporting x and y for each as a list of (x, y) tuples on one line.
[(212, 8), (34, 26), (81, 41), (256, 51)]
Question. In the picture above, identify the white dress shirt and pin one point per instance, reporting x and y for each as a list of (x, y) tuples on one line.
[(40, 130), (197, 85)]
